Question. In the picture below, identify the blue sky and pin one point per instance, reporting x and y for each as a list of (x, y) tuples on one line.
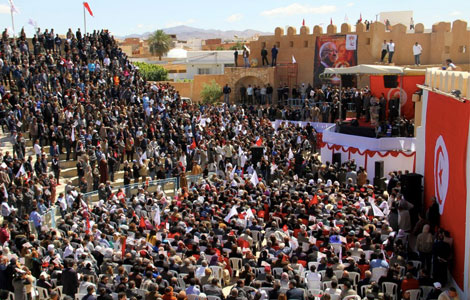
[(138, 16)]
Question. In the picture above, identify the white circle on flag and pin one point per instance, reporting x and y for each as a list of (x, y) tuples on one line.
[(441, 172), (398, 92)]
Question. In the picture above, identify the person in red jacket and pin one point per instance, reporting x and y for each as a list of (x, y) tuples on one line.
[(4, 233), (409, 283)]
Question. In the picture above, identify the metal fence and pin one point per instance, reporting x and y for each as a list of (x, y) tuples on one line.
[(299, 103)]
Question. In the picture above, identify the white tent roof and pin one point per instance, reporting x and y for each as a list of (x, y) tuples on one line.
[(372, 70)]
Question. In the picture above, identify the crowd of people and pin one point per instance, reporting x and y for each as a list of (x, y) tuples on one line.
[(280, 225)]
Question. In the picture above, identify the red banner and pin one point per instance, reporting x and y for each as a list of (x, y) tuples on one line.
[(447, 122), (405, 92)]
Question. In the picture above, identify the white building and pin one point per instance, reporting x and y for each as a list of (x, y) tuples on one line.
[(208, 62)]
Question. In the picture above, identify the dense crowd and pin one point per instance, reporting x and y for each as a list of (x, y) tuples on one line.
[(278, 226)]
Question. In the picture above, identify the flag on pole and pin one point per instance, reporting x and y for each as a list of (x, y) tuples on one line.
[(249, 214), (142, 222), (290, 155), (143, 157), (13, 8), (293, 60), (5, 191), (331, 21), (156, 218), (303, 22), (32, 23), (193, 145), (377, 211), (21, 172), (87, 231), (87, 8), (254, 179), (346, 19), (72, 137), (360, 17), (123, 245), (232, 213)]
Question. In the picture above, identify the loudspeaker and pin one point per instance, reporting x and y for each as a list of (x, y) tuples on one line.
[(380, 183), (379, 169), (390, 81), (337, 159), (347, 80), (256, 154), (412, 190)]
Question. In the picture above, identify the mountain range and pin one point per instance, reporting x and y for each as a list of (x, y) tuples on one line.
[(184, 33)]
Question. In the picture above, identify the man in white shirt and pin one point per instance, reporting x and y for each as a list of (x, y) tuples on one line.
[(37, 149), (391, 51), (417, 49), (249, 92), (384, 51)]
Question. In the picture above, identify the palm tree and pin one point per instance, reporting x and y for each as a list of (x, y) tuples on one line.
[(159, 43)]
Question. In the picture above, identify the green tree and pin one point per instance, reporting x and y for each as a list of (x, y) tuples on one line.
[(237, 46), (152, 72), (159, 43), (211, 92)]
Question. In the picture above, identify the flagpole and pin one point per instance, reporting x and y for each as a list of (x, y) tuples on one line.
[(12, 22), (84, 19)]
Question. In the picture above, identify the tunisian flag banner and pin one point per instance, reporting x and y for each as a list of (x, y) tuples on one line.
[(405, 93), (88, 8), (447, 122)]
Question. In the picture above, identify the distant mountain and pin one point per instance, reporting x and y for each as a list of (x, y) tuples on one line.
[(184, 33)]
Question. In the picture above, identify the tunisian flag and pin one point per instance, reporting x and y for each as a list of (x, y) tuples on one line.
[(85, 4), (447, 122), (406, 93)]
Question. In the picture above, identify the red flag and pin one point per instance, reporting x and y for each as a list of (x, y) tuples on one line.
[(284, 228), (313, 201), (87, 231), (142, 222), (193, 145), (88, 8), (444, 169), (331, 21), (360, 17), (259, 142), (261, 214), (303, 22), (124, 245), (300, 200)]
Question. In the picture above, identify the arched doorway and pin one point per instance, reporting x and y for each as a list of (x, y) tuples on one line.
[(245, 82)]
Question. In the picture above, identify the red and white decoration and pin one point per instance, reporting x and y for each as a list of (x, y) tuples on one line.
[(393, 160)]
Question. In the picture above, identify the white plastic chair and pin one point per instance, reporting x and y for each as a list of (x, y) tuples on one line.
[(355, 277), (338, 273), (314, 263), (425, 290), (277, 272), (335, 297), (322, 273), (377, 273), (326, 285), (42, 293), (390, 288), (416, 264), (235, 263), (217, 271), (364, 289), (415, 294), (352, 297)]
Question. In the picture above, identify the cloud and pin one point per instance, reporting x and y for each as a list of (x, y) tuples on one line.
[(180, 23), (350, 4), (299, 9), (455, 13), (4, 9), (234, 18)]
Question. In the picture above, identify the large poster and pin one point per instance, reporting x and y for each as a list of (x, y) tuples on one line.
[(331, 52), (405, 93), (447, 122)]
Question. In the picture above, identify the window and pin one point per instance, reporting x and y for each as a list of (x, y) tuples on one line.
[(447, 49), (291, 44), (305, 44), (368, 41), (203, 71), (278, 44)]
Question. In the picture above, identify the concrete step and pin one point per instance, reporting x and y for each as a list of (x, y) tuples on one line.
[(118, 177)]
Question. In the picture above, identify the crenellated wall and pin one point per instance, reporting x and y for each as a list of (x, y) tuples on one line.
[(445, 40)]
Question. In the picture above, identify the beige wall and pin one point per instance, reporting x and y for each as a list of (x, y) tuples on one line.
[(445, 41)]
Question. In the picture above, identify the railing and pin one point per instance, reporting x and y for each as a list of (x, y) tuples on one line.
[(298, 102)]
